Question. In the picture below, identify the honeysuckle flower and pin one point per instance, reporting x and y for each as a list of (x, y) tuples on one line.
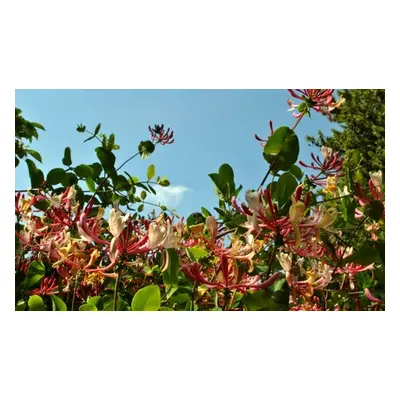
[(320, 100), (331, 182), (285, 260), (228, 277), (326, 152), (372, 228), (162, 236), (159, 135), (376, 178), (343, 192), (331, 165), (47, 287), (116, 222), (369, 296), (212, 227), (296, 211), (55, 200), (322, 218)]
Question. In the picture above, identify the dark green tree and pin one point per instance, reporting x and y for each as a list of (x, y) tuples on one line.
[(361, 137)]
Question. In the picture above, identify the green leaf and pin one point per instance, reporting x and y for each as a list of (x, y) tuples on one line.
[(226, 173), (36, 175), (38, 126), (69, 179), (20, 306), (145, 148), (220, 186), (84, 171), (191, 306), (143, 195), (282, 149), (147, 299), (88, 307), (180, 298), (106, 157), (55, 176), (285, 187), (374, 210), (34, 154), (195, 253), (170, 275), (163, 308), (90, 184), (58, 304), (205, 212), (96, 168), (194, 219), (35, 303), (81, 128), (67, 157), (296, 172), (97, 129), (140, 208), (164, 183), (93, 300), (364, 280), (151, 171), (35, 274), (259, 301)]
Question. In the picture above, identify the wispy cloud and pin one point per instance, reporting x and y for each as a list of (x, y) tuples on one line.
[(170, 196)]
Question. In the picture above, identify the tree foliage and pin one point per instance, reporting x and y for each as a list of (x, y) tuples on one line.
[(361, 137)]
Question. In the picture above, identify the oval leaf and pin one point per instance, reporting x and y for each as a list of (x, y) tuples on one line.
[(35, 303), (55, 176), (151, 171), (147, 299)]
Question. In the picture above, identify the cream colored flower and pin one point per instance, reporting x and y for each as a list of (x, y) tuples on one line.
[(376, 178), (162, 235), (326, 152), (116, 222)]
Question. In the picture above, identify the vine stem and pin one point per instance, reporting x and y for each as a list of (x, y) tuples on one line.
[(74, 293), (116, 291)]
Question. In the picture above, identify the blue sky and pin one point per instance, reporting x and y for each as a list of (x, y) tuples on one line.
[(211, 127)]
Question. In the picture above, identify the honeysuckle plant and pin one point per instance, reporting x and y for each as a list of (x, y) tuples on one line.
[(83, 243)]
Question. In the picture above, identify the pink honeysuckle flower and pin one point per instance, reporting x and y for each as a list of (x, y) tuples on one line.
[(320, 100), (89, 230), (322, 218), (47, 287), (369, 296), (262, 141), (161, 235), (227, 277), (159, 135), (331, 165), (116, 222)]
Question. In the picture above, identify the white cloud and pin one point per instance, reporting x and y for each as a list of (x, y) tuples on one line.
[(170, 196)]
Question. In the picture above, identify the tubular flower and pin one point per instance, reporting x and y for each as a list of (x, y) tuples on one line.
[(320, 100), (47, 287), (162, 236), (159, 135), (228, 277), (322, 218), (331, 165), (262, 141), (116, 222), (286, 262)]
